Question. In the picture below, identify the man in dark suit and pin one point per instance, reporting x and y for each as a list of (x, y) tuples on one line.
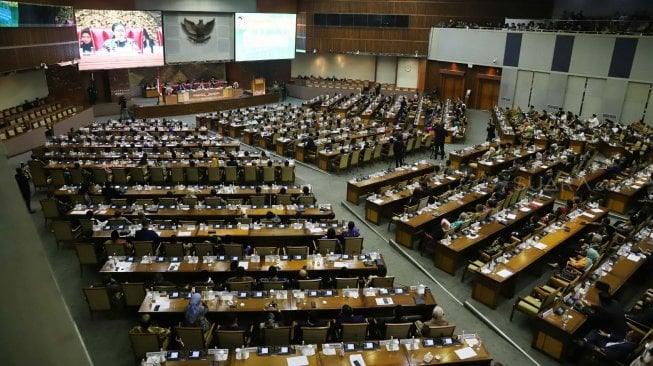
[(614, 347), (438, 141), (609, 316), (398, 149)]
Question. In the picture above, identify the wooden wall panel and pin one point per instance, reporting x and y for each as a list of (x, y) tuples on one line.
[(92, 4), (245, 72), (276, 6), (433, 78), (423, 14)]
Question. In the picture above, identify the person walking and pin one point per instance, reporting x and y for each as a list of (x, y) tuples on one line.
[(23, 184)]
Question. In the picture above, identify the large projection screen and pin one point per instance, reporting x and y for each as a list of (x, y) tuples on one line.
[(261, 36), (194, 37), (112, 39)]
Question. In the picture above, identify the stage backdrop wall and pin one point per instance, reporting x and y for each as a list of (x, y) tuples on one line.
[(180, 48), (17, 87), (175, 73), (338, 65)]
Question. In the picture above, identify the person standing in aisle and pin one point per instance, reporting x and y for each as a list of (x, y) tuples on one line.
[(440, 135), (398, 147), (23, 184)]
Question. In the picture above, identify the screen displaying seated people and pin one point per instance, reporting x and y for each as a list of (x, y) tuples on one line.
[(8, 14), (113, 39), (261, 36)]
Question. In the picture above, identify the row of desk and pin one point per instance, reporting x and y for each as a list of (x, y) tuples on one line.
[(219, 266), (448, 255), (552, 336), (491, 282), (278, 236), (357, 188), (378, 354), (366, 301)]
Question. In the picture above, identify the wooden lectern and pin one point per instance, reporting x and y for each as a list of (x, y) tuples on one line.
[(258, 86)]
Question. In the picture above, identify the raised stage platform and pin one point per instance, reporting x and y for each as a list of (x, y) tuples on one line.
[(163, 110)]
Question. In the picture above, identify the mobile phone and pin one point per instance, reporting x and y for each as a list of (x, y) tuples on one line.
[(156, 308), (313, 304)]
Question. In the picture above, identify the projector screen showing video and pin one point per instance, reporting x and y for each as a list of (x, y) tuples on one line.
[(8, 14), (113, 39), (261, 36)]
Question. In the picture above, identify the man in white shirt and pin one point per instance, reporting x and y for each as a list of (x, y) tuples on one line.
[(594, 121)]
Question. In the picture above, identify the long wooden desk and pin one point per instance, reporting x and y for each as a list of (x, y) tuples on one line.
[(154, 192), (379, 356), (494, 166), (377, 206), (571, 189), (205, 212), (623, 197), (489, 284), (407, 230), (296, 300), (357, 188), (448, 256), (553, 337), (218, 267), (277, 236), (469, 154)]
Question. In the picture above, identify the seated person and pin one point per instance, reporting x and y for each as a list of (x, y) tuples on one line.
[(312, 321), (527, 229), (147, 234), (119, 42), (381, 271), (346, 317), (116, 239), (273, 275), (146, 326), (195, 313), (86, 42), (272, 217), (615, 347), (437, 320), (352, 230), (584, 262), (240, 276), (231, 323), (331, 234), (378, 324)]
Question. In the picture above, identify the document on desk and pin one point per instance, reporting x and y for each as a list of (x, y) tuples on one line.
[(384, 301), (297, 361), (173, 267), (340, 264), (316, 230), (244, 264), (356, 360), (597, 210), (505, 273), (183, 233), (587, 214), (465, 353), (511, 216), (633, 257), (540, 246)]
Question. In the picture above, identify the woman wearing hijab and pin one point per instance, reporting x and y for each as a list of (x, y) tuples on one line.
[(195, 313)]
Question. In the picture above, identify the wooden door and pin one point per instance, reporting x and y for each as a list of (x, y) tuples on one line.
[(487, 95), (452, 86)]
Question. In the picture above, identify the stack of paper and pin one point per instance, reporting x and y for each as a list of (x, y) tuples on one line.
[(465, 353)]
